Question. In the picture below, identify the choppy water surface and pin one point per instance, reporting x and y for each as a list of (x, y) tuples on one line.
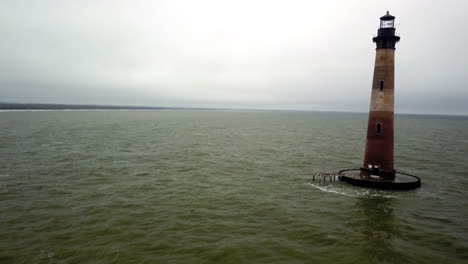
[(224, 187)]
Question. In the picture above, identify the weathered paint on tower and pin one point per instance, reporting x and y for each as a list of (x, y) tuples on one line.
[(378, 159)]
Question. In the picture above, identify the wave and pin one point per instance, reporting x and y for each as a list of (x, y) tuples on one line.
[(350, 191)]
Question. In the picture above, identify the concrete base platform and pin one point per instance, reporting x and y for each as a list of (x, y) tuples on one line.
[(402, 181)]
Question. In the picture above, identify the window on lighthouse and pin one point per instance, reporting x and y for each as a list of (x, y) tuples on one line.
[(381, 83), (379, 128), (386, 24)]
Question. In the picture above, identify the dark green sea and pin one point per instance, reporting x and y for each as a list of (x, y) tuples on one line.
[(174, 186)]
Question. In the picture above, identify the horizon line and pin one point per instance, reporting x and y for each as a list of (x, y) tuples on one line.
[(78, 106)]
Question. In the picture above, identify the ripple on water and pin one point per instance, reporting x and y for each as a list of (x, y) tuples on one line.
[(223, 187), (350, 191)]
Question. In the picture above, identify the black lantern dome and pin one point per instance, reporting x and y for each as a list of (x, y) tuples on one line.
[(386, 38)]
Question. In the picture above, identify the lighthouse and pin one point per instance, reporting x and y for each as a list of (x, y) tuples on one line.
[(378, 170), (378, 157)]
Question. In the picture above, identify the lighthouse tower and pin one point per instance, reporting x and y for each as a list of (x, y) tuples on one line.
[(378, 159), (377, 170)]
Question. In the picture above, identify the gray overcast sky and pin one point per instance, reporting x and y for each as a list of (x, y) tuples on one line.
[(312, 55)]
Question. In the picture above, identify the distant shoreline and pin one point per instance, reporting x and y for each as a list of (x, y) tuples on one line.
[(34, 106)]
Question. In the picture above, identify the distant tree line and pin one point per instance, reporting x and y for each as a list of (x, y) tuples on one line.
[(19, 106), (23, 106)]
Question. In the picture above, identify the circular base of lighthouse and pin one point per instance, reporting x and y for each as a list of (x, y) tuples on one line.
[(402, 181)]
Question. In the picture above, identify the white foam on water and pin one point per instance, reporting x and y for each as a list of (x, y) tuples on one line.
[(351, 191), (330, 189)]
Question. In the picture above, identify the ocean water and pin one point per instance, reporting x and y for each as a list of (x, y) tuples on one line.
[(173, 186)]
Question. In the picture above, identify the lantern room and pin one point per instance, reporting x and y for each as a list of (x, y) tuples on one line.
[(386, 35), (387, 21)]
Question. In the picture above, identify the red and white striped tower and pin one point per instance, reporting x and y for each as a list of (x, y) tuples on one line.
[(378, 159)]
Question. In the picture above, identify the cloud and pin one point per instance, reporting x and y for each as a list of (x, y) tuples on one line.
[(239, 54)]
